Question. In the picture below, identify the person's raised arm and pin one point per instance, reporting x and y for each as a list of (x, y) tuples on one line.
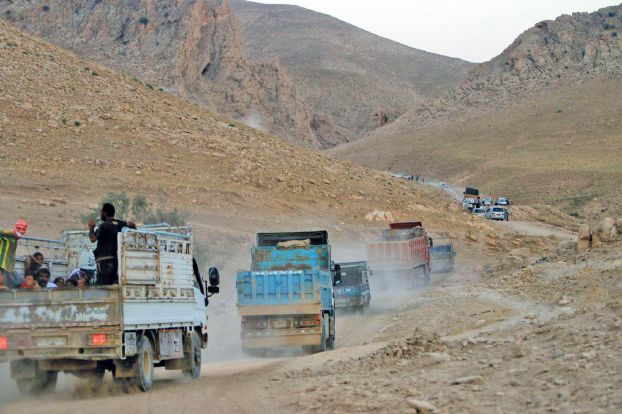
[(92, 234)]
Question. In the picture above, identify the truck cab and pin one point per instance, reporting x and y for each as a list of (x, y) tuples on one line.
[(353, 291)]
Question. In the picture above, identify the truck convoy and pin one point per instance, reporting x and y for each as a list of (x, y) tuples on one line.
[(286, 299), (401, 257), (353, 292), (154, 317)]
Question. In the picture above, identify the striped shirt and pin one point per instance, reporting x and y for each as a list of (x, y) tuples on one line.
[(8, 246)]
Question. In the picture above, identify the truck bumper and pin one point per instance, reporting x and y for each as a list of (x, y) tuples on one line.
[(252, 339), (47, 344), (348, 302)]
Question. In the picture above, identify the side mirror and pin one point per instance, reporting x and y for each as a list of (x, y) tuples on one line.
[(337, 275), (214, 277)]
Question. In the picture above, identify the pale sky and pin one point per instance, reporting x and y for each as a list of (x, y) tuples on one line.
[(474, 30)]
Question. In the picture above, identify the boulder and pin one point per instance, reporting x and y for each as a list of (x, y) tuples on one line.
[(422, 407), (607, 230), (604, 232), (583, 242), (377, 215)]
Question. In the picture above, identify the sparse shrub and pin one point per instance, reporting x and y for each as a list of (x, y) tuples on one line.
[(161, 90), (150, 86), (140, 210), (611, 14), (76, 123), (94, 73), (614, 34), (559, 111), (144, 21), (45, 8), (64, 121), (232, 125), (86, 69)]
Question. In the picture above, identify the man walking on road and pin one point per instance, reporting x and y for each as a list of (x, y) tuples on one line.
[(106, 237)]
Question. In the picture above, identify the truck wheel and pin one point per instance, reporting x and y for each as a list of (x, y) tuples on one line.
[(44, 382), (331, 336), (194, 358), (144, 364)]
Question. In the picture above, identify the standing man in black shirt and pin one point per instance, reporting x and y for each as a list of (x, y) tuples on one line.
[(106, 252)]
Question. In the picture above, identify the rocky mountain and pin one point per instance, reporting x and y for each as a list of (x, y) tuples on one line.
[(538, 123), (362, 81), (568, 50), (188, 47)]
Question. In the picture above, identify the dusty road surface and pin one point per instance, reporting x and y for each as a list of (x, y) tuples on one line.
[(544, 337)]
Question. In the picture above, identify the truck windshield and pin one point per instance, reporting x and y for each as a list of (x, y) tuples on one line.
[(351, 276), (441, 249)]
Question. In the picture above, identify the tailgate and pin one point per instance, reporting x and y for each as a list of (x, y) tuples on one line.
[(280, 292), (51, 308), (60, 323)]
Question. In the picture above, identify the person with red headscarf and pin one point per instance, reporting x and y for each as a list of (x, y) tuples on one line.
[(8, 246)]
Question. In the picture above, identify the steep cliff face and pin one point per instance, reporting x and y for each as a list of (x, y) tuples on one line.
[(189, 47)]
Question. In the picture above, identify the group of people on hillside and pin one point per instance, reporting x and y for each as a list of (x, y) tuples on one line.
[(37, 275)]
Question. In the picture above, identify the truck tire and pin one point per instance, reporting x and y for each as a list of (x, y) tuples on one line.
[(44, 382), (144, 365), (194, 358), (325, 338), (331, 336)]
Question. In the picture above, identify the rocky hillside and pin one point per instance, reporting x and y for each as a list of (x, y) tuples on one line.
[(566, 51), (539, 123), (191, 48), (361, 80), (72, 131)]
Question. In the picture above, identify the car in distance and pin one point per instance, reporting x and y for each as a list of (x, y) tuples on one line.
[(480, 211), (487, 201), (498, 213), (403, 175), (503, 201)]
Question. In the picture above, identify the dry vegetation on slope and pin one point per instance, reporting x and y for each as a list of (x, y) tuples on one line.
[(564, 150), (191, 48), (74, 130)]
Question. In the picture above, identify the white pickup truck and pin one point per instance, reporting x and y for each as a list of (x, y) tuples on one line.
[(155, 317)]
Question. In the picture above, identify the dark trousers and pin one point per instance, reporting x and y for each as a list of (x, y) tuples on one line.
[(107, 272)]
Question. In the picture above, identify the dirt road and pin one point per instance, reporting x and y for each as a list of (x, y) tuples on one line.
[(502, 338)]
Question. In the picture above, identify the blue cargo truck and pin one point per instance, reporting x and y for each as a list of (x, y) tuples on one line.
[(286, 299)]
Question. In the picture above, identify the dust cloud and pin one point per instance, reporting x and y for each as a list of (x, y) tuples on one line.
[(254, 120)]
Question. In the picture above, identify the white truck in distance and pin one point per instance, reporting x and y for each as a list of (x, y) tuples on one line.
[(155, 317)]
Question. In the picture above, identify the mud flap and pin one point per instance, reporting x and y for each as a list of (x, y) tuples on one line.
[(125, 368)]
